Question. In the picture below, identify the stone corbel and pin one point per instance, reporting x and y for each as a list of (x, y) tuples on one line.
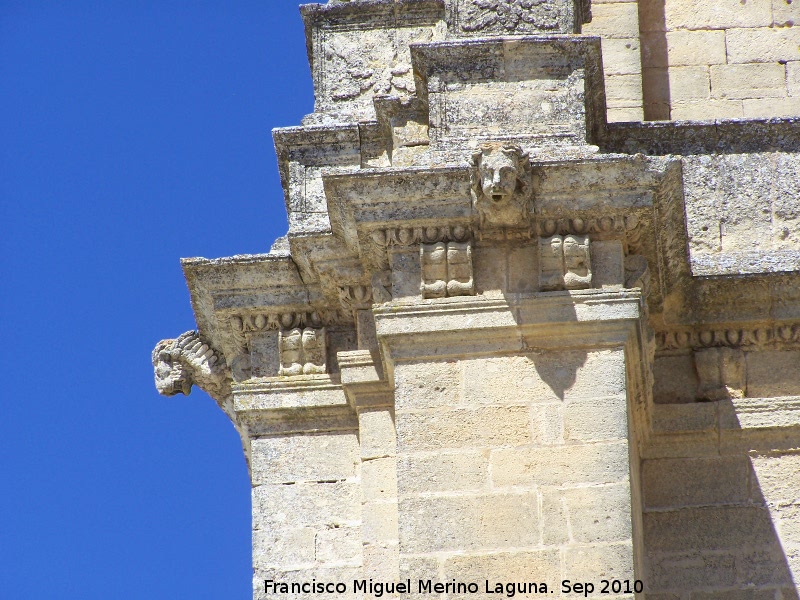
[(565, 263), (302, 351), (446, 270)]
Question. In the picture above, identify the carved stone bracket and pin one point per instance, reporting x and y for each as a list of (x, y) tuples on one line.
[(302, 351), (565, 263), (446, 270)]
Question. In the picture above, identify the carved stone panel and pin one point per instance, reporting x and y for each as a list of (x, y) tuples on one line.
[(565, 263), (303, 351), (446, 270), (508, 17)]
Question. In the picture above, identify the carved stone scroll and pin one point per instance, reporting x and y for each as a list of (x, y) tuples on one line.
[(302, 351), (446, 270), (565, 263)]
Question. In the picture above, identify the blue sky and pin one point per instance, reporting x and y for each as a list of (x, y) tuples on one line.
[(133, 134)]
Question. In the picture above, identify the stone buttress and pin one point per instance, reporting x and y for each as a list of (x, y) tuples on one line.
[(465, 360)]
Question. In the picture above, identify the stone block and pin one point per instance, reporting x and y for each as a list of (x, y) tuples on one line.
[(547, 424), (623, 91), (674, 379), (481, 427), (562, 465), (427, 384), (613, 20), (716, 14), (689, 83), (466, 470), (382, 561), (522, 272), (622, 56), (672, 483), (785, 13), (707, 110), (596, 419), (406, 274), (379, 479), (608, 264), (771, 107), (306, 504), (321, 573), (690, 570), (535, 566), (755, 80), (773, 373), (763, 566), (587, 515), (283, 547), (602, 561), (379, 522), (746, 594), (544, 377), (338, 544), (687, 48), (763, 45), (490, 268), (296, 458), (625, 115), (793, 76), (376, 432), (464, 523), (776, 478), (712, 528)]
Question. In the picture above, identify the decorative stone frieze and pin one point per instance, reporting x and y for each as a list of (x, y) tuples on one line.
[(508, 17), (783, 335), (446, 270), (565, 263)]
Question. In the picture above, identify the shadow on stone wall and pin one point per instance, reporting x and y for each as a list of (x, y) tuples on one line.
[(724, 526)]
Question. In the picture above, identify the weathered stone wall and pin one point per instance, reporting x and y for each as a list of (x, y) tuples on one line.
[(720, 59), (506, 340)]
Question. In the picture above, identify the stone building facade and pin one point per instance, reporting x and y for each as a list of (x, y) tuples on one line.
[(516, 334)]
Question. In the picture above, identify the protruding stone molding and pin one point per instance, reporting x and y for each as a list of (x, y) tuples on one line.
[(724, 426), (246, 323), (363, 379), (286, 405), (751, 337), (406, 237)]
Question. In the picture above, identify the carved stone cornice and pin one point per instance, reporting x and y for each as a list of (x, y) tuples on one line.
[(749, 337)]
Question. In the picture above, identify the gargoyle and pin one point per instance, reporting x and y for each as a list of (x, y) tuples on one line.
[(500, 179), (186, 361)]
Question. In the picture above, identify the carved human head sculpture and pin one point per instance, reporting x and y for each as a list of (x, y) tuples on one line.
[(501, 184)]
